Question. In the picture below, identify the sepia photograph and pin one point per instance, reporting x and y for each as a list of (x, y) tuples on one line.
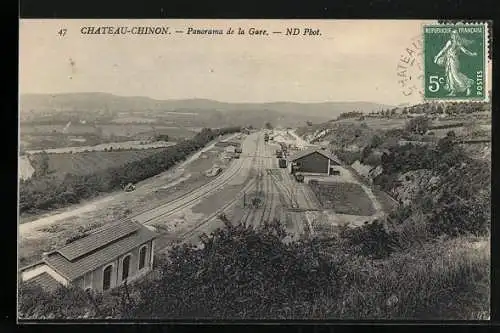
[(190, 170)]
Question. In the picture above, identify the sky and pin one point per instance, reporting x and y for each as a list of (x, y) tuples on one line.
[(351, 60)]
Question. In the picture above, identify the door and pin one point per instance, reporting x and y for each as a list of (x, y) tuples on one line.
[(125, 268), (106, 278), (142, 257)]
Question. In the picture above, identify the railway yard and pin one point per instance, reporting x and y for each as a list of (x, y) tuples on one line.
[(251, 189)]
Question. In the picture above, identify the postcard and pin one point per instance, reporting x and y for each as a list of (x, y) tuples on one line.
[(199, 170)]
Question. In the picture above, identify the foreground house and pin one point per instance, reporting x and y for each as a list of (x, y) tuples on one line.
[(316, 162), (103, 260)]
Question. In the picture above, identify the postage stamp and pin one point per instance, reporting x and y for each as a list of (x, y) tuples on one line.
[(454, 62), (216, 170)]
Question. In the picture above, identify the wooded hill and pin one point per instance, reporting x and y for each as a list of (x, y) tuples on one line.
[(33, 104)]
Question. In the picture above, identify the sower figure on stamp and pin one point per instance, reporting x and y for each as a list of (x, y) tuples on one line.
[(448, 56)]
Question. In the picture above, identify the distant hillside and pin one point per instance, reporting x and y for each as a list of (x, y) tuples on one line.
[(33, 104)]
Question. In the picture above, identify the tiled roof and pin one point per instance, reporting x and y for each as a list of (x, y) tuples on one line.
[(310, 151), (72, 269), (45, 281), (98, 239)]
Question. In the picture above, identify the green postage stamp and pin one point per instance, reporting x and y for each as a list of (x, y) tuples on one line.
[(455, 62)]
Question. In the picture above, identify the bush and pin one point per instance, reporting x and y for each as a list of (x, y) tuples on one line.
[(372, 239), (372, 159), (348, 157), (386, 182), (242, 273), (418, 125)]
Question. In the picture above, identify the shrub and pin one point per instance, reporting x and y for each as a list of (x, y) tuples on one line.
[(418, 125), (348, 157), (251, 274), (372, 159), (372, 239)]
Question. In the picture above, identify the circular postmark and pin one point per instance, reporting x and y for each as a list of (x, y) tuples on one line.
[(410, 70)]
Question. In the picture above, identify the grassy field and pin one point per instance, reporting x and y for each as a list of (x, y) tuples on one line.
[(118, 129), (52, 136), (377, 123), (84, 163), (132, 119), (58, 128), (344, 198)]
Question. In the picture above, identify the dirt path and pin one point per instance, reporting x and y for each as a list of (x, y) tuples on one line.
[(301, 143), (165, 179), (104, 146)]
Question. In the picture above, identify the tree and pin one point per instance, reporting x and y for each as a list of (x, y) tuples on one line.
[(268, 125), (376, 141), (309, 123), (446, 144), (40, 163), (418, 125), (451, 135)]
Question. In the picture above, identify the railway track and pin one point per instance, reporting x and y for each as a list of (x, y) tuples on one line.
[(161, 212), (186, 236), (269, 201), (274, 190), (265, 185), (189, 234), (179, 204), (258, 163), (289, 197)]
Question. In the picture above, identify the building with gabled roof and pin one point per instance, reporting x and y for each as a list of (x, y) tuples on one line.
[(315, 161), (100, 261)]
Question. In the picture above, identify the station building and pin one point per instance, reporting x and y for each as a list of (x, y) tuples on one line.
[(107, 258), (315, 162)]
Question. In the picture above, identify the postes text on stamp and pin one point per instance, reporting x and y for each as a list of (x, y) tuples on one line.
[(454, 62)]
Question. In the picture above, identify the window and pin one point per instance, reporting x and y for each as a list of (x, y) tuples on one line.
[(106, 277), (125, 267), (142, 257), (87, 280)]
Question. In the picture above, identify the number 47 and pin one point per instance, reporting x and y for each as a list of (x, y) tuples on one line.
[(62, 32)]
